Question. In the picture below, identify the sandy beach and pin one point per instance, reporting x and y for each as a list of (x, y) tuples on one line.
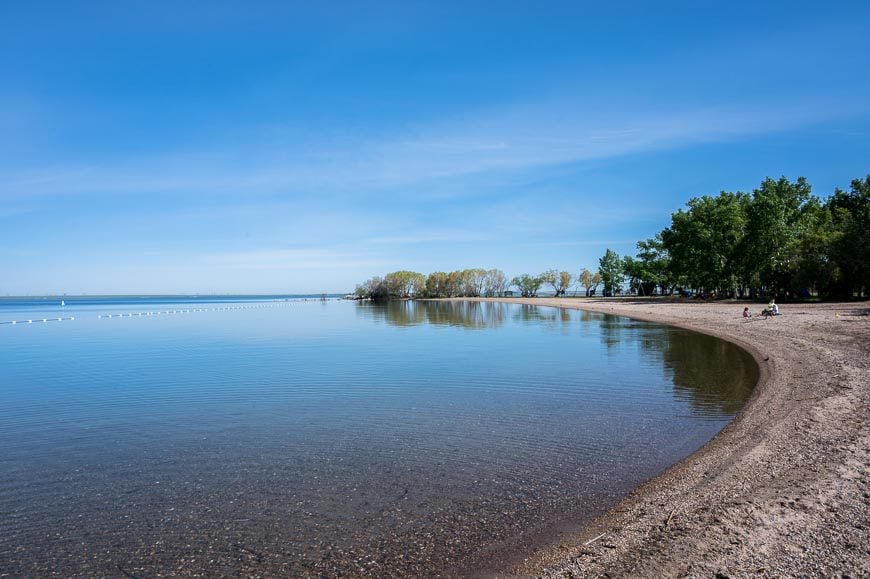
[(782, 491)]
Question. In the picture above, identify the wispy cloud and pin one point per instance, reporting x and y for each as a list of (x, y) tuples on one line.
[(521, 139)]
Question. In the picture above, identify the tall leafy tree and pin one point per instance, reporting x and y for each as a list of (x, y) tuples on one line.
[(436, 285), (611, 268), (850, 239), (704, 242), (776, 220), (405, 284), (649, 269), (527, 284)]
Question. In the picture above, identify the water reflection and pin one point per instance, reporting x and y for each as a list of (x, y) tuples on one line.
[(465, 314), (713, 376), (469, 315)]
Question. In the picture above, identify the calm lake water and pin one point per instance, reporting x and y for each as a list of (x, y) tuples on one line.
[(307, 437)]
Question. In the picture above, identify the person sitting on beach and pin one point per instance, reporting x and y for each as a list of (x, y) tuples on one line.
[(746, 313), (772, 308)]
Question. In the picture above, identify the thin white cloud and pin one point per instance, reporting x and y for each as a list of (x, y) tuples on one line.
[(522, 139)]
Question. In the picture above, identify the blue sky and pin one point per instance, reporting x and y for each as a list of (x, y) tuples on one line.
[(282, 147)]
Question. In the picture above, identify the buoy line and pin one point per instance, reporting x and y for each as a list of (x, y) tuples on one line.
[(160, 312), (37, 321), (191, 310)]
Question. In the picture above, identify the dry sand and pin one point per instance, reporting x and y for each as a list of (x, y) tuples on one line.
[(784, 490)]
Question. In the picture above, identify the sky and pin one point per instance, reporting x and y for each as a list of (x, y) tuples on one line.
[(303, 147)]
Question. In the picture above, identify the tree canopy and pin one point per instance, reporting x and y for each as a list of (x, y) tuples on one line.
[(779, 240), (612, 271)]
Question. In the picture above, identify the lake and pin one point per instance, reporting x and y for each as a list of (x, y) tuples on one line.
[(284, 436)]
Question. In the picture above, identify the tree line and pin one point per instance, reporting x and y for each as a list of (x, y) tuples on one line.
[(410, 284), (780, 239), (470, 283)]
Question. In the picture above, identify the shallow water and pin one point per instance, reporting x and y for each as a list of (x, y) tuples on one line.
[(307, 437)]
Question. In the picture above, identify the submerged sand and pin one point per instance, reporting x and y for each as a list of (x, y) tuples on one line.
[(784, 490)]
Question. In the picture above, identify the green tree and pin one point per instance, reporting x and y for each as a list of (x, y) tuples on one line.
[(776, 220), (527, 284), (405, 284), (610, 266), (704, 242), (633, 269), (436, 285), (850, 239), (454, 284), (809, 257), (652, 266)]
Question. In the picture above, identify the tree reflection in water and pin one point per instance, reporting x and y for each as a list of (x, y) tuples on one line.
[(713, 376), (469, 315)]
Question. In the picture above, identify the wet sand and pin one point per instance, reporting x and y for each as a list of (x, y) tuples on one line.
[(784, 490)]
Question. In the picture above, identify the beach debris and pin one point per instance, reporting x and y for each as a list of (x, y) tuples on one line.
[(589, 542)]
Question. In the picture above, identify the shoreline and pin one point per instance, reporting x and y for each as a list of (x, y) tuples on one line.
[(782, 490)]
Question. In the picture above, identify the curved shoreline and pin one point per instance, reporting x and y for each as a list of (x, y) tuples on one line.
[(782, 490)]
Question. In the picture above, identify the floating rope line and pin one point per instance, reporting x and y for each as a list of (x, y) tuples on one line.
[(158, 312), (193, 310), (38, 321)]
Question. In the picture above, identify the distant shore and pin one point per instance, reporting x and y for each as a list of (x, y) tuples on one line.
[(782, 491)]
